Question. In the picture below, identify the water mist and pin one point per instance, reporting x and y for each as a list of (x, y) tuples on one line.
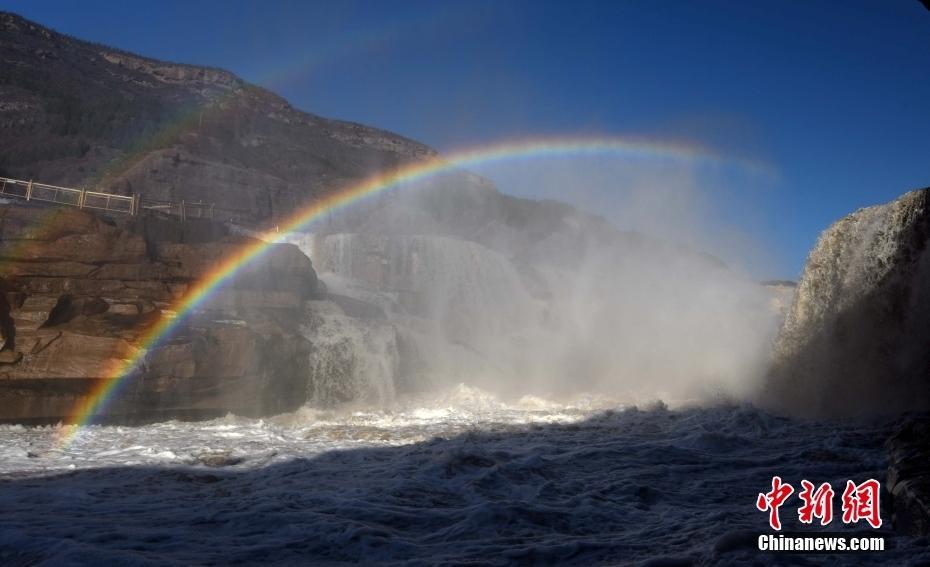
[(464, 285)]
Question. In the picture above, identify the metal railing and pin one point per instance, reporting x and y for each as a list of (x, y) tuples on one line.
[(81, 198), (124, 204), (110, 202), (183, 209)]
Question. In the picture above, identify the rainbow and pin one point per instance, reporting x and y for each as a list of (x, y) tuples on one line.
[(626, 148)]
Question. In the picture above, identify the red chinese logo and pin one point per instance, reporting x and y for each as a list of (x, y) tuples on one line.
[(773, 500), (859, 501), (817, 504)]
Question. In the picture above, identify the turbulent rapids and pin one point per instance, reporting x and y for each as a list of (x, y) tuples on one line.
[(309, 431), (460, 477)]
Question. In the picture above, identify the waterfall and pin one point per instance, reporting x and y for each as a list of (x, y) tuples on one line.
[(461, 307), (855, 339), (631, 321), (352, 360)]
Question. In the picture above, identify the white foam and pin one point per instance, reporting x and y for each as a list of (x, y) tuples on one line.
[(459, 478)]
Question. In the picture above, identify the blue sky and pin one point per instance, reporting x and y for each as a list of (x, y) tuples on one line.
[(833, 95)]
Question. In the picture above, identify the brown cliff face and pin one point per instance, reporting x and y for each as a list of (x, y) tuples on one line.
[(79, 292)]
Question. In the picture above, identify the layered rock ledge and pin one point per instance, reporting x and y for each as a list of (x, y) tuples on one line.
[(79, 293)]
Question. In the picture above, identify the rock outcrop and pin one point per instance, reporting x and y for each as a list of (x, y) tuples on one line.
[(855, 340), (80, 292), (908, 478)]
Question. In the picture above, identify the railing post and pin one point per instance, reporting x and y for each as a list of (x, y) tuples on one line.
[(29, 190), (81, 198), (181, 211)]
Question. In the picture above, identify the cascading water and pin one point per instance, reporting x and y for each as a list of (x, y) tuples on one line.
[(855, 339), (351, 360), (632, 324), (461, 308), (469, 288)]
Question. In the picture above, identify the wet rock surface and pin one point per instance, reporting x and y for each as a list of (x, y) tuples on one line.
[(908, 477)]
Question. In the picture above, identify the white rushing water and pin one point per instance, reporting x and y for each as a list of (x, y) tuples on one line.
[(459, 478), (650, 322)]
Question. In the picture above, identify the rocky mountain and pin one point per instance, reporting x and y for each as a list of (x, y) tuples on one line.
[(855, 340), (83, 114)]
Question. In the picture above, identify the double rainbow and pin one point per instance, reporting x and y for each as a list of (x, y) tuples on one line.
[(626, 148)]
